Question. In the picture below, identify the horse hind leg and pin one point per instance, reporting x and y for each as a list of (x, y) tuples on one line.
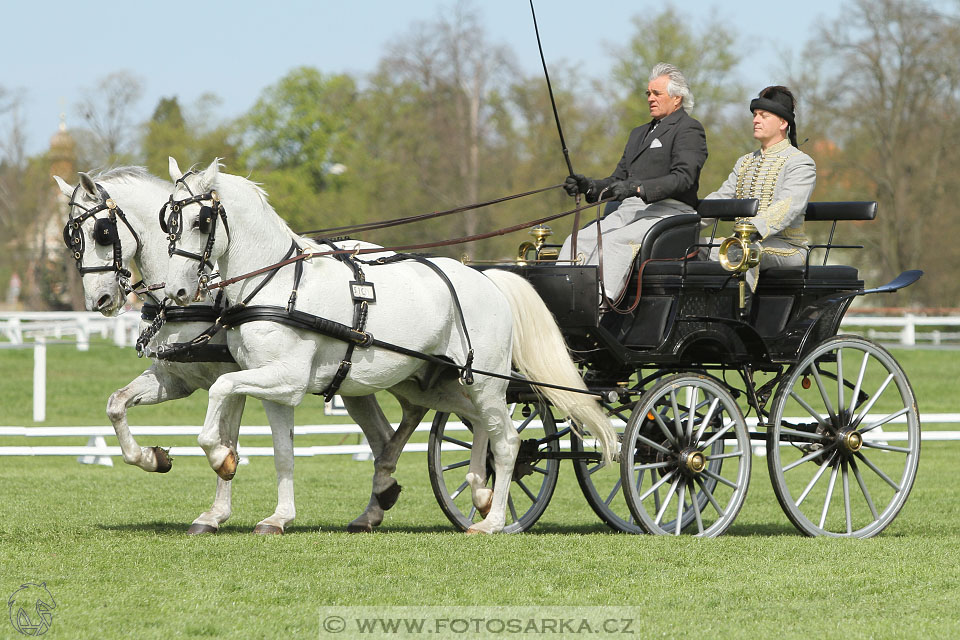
[(386, 490), (480, 493), (504, 444)]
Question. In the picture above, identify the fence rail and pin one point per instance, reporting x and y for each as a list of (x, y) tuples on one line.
[(99, 452)]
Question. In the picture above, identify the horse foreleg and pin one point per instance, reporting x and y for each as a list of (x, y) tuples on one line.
[(209, 521), (386, 489), (481, 495), (150, 387), (504, 444), (281, 424)]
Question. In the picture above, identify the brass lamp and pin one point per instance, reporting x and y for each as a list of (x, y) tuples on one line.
[(739, 253), (540, 233)]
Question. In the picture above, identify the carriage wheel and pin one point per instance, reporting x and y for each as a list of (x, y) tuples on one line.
[(534, 478), (685, 459), (601, 486), (845, 412)]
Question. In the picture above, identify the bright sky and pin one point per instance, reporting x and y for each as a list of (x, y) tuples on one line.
[(52, 50)]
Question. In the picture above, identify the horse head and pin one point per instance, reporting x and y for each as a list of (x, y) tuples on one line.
[(102, 243)]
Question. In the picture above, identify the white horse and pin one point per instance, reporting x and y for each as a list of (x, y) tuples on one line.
[(138, 239), (502, 317)]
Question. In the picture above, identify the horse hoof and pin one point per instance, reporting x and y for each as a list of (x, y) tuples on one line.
[(475, 530), (229, 467), (483, 501), (268, 530), (164, 461), (388, 497), (197, 529), (359, 527)]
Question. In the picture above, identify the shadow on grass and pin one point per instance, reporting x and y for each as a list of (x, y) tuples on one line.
[(545, 528)]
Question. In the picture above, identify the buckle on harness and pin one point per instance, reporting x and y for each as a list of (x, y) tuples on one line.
[(466, 375)]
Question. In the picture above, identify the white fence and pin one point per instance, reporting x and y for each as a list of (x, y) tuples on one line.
[(96, 451)]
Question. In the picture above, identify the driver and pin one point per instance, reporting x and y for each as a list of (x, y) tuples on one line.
[(657, 177)]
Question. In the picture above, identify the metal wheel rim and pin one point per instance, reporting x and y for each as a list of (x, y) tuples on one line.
[(844, 491), (658, 490), (527, 500)]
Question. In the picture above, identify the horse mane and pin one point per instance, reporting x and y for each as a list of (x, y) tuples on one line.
[(128, 174), (261, 193)]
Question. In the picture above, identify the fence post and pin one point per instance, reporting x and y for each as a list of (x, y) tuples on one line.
[(908, 336), (39, 379), (83, 334)]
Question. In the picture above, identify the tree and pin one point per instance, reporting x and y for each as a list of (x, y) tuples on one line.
[(106, 110), (892, 109)]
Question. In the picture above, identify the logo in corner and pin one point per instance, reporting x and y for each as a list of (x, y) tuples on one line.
[(31, 609)]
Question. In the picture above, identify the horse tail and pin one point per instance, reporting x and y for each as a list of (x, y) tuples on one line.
[(540, 353)]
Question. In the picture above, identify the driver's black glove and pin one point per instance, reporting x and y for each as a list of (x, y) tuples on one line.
[(577, 183), (625, 189)]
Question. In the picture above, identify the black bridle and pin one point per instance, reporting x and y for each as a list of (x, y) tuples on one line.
[(172, 225), (105, 234)]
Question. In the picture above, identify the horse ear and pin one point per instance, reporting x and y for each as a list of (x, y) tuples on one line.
[(88, 185), (175, 173), (208, 177), (65, 188)]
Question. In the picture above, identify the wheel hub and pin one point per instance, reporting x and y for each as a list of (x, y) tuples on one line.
[(692, 461), (851, 440)]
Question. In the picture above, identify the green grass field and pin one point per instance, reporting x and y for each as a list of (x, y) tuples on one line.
[(110, 543)]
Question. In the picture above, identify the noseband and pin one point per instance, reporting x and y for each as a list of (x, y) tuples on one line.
[(172, 225), (105, 234)]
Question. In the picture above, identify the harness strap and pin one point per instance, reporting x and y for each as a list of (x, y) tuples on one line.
[(238, 315)]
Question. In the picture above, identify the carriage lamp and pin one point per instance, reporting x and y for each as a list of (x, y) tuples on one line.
[(739, 254), (540, 233)]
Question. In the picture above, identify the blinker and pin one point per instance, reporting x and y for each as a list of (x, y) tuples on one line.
[(205, 221), (105, 232)]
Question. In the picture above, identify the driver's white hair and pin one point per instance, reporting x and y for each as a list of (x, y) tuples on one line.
[(677, 85)]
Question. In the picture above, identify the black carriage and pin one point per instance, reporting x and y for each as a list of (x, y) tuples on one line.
[(701, 379)]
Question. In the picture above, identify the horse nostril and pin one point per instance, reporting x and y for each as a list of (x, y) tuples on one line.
[(182, 293), (104, 301)]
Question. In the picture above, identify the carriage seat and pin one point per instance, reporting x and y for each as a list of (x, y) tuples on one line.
[(824, 274)]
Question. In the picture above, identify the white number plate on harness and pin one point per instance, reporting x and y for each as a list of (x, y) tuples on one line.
[(363, 291)]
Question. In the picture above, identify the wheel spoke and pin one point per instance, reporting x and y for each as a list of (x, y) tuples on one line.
[(856, 388), (656, 445), (884, 420), (459, 443), (656, 485), (813, 412), (826, 465), (711, 474), (846, 497), (680, 506), (823, 392), (709, 494), (455, 494), (716, 435), (513, 508), (692, 414), (530, 494), (863, 488), (653, 465), (594, 469), (706, 421), (696, 507), (840, 380), (877, 471), (456, 465), (826, 501), (885, 447), (808, 457), (873, 399), (803, 434), (542, 472), (720, 456), (678, 427), (666, 501), (614, 492)]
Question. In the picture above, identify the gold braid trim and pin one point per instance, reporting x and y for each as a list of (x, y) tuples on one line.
[(780, 252)]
